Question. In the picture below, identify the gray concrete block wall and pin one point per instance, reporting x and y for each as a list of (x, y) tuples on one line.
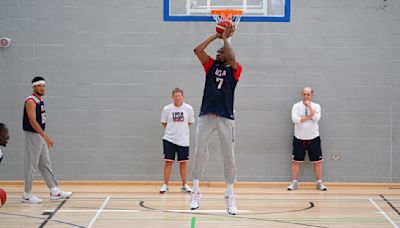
[(110, 67)]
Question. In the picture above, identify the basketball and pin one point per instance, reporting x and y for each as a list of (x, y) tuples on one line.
[(222, 25), (3, 197)]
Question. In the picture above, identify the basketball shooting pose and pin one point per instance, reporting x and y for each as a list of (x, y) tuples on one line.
[(217, 114), (37, 144), (176, 119)]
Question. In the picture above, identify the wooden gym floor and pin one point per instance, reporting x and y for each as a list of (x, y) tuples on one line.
[(135, 204)]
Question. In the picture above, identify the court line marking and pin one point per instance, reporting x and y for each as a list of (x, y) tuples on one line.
[(156, 198), (207, 211), (241, 217), (53, 213), (99, 212), (94, 210), (122, 210), (33, 217), (383, 213), (193, 223), (199, 211), (390, 204)]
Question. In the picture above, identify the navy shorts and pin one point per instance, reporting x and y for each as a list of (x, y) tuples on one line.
[(313, 147), (170, 149)]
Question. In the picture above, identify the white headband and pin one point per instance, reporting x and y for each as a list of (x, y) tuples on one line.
[(41, 82)]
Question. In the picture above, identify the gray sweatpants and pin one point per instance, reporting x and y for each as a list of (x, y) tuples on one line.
[(37, 157), (226, 132)]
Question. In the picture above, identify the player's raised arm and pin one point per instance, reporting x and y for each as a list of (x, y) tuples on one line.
[(228, 51), (200, 49)]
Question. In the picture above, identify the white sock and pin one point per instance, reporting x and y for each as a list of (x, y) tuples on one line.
[(196, 185), (319, 181), (229, 189), (294, 181), (54, 190)]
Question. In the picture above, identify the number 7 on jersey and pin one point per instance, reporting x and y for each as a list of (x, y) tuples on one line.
[(220, 81)]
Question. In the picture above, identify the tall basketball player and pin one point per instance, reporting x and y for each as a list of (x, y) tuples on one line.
[(217, 114), (37, 144)]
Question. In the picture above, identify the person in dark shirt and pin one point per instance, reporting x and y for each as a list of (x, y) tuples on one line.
[(37, 144)]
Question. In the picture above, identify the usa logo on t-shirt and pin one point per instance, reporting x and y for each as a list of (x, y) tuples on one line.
[(178, 117)]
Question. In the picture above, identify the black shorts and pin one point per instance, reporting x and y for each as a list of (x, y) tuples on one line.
[(313, 147), (170, 149)]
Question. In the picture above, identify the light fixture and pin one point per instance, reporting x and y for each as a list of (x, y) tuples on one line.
[(5, 42)]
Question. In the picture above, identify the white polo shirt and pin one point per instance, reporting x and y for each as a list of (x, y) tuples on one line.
[(177, 120), (308, 129)]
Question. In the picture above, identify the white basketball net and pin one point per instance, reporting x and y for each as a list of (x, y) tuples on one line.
[(227, 16)]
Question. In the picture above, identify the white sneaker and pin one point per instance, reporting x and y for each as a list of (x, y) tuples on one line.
[(320, 186), (60, 195), (30, 198), (194, 200), (292, 186), (164, 189), (186, 188), (230, 203)]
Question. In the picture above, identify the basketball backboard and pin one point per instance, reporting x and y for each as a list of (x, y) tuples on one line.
[(254, 10)]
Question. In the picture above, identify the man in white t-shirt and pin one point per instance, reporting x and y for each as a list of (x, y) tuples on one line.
[(176, 119), (4, 137), (305, 116)]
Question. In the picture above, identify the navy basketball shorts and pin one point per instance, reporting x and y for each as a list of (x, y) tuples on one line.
[(170, 149), (313, 147)]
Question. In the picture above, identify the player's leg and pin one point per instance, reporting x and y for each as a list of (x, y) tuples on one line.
[(226, 134), (45, 168), (318, 170), (298, 156), (49, 177), (183, 159), (167, 174), (183, 172), (169, 157), (295, 170), (315, 155), (33, 147), (205, 127), (318, 175)]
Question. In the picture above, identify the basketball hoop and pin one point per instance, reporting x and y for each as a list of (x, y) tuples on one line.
[(233, 15)]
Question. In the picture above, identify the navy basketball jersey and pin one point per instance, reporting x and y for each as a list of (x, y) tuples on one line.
[(219, 89), (40, 114)]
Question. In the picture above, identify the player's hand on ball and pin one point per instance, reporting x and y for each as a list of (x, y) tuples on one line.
[(228, 32)]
